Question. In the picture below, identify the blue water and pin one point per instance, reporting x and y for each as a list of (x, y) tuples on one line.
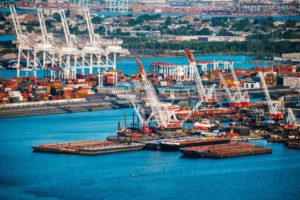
[(132, 175), (4, 38), (129, 65)]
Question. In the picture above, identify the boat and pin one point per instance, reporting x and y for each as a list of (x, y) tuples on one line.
[(176, 144), (87, 147), (293, 144), (227, 150), (204, 125)]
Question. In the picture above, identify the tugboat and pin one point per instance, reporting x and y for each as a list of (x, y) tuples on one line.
[(204, 125)]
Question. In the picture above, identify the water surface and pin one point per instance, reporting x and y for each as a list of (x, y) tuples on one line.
[(132, 175)]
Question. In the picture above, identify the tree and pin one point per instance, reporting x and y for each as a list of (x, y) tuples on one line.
[(204, 31), (56, 16), (290, 23), (97, 20), (168, 21)]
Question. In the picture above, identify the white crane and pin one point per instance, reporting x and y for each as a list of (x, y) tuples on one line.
[(275, 107), (242, 99), (225, 86), (291, 120), (71, 49), (98, 47), (49, 47), (25, 45), (163, 117), (208, 96)]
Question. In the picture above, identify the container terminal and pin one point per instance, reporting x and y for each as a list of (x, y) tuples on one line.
[(170, 102)]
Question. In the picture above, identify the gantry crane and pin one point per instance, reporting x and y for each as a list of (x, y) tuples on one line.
[(99, 46), (25, 45), (71, 49), (49, 47), (275, 107), (163, 117)]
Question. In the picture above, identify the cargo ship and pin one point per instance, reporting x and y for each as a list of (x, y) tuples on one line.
[(232, 149), (88, 147), (176, 144)]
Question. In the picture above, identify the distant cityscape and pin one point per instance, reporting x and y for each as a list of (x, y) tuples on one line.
[(216, 7)]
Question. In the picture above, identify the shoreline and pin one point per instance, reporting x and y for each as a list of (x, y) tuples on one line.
[(55, 109)]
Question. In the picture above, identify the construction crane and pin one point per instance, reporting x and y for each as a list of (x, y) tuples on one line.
[(163, 117), (291, 121), (230, 97), (138, 109), (208, 96), (275, 107), (25, 46), (241, 99)]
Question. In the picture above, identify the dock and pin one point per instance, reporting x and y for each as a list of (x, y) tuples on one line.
[(88, 147), (232, 149)]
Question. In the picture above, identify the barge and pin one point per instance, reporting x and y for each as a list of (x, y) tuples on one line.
[(176, 144), (88, 147), (232, 149)]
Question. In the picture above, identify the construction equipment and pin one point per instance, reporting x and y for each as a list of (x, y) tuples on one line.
[(291, 122), (241, 99), (164, 117), (275, 107), (205, 96)]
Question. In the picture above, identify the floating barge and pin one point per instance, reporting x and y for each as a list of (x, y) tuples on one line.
[(293, 144), (88, 147), (176, 144), (232, 149)]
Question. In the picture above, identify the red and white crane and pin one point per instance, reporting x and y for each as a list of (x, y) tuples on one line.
[(241, 99), (230, 97), (205, 96), (275, 107), (164, 117), (291, 121)]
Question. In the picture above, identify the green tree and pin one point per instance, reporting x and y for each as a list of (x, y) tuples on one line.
[(57, 17)]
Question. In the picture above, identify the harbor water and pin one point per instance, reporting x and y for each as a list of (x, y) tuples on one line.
[(131, 175)]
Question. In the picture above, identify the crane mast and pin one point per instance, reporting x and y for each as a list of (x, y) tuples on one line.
[(197, 77), (25, 45), (225, 86), (242, 99), (163, 117), (274, 106)]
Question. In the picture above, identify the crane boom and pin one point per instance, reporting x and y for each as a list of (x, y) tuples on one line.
[(138, 109), (159, 115), (235, 78), (275, 107), (197, 77), (225, 86)]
